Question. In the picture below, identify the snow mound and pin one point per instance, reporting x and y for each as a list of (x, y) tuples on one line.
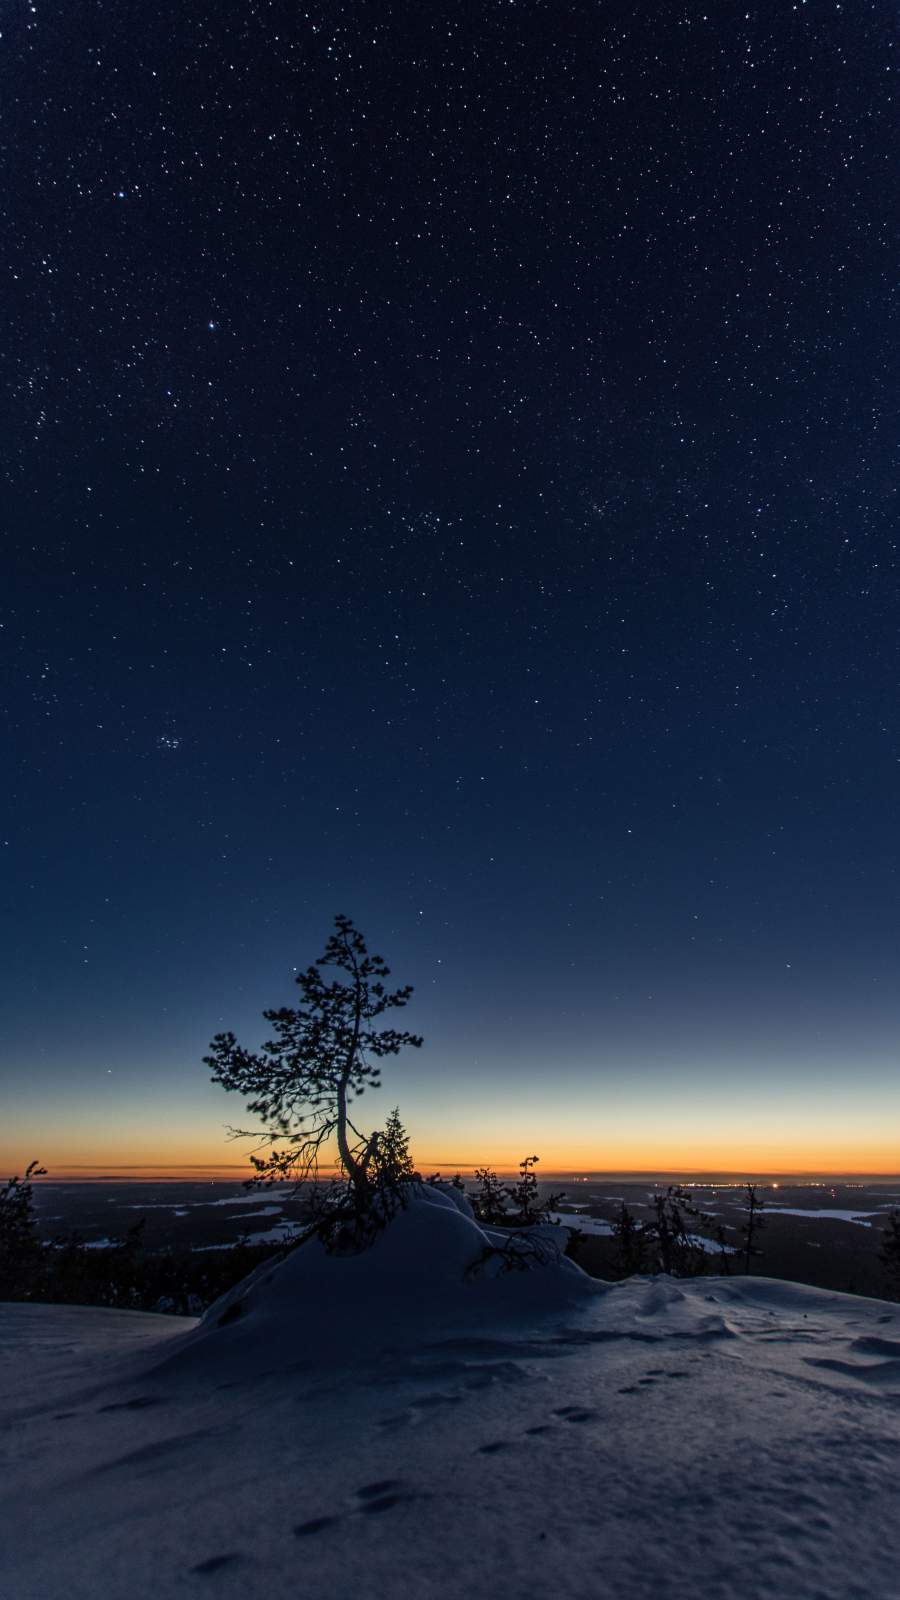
[(431, 1263)]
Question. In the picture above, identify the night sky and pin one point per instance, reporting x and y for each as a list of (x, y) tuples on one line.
[(448, 477)]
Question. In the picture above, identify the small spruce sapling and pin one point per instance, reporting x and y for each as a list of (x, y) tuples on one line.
[(392, 1167), (393, 1162)]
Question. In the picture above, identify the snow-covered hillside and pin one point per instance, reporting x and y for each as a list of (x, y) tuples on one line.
[(391, 1424)]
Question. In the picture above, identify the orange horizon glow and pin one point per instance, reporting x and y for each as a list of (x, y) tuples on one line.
[(72, 1155), (566, 1174), (728, 1169)]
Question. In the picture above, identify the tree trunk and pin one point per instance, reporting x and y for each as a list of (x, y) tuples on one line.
[(354, 1171)]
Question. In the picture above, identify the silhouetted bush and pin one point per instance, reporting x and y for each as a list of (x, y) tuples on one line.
[(20, 1246), (499, 1205), (489, 1200)]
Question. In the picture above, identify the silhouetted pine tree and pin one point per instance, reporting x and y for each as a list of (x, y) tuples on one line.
[(630, 1242), (528, 1209), (889, 1253), (322, 1057), (524, 1194), (753, 1226)]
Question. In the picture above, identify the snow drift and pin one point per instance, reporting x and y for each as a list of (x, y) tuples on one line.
[(434, 1264)]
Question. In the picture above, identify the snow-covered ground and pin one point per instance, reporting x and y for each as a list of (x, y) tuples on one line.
[(599, 1227), (861, 1217), (596, 1225), (280, 1233), (368, 1427)]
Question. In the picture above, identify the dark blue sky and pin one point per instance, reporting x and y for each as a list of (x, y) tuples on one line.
[(449, 477)]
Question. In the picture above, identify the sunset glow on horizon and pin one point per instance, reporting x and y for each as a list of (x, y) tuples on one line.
[(207, 1162)]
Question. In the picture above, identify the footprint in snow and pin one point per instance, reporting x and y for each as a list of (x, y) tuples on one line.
[(417, 1409), (303, 1530), (216, 1563), (577, 1414), (382, 1495), (139, 1403), (384, 1502), (158, 1451), (876, 1347), (493, 1448), (373, 1491), (876, 1372)]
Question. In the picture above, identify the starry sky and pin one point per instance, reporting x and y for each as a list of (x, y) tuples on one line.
[(448, 477)]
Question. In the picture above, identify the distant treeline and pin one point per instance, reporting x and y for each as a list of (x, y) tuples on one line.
[(68, 1271), (676, 1238)]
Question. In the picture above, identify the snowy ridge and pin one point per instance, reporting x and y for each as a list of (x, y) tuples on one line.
[(356, 1426)]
